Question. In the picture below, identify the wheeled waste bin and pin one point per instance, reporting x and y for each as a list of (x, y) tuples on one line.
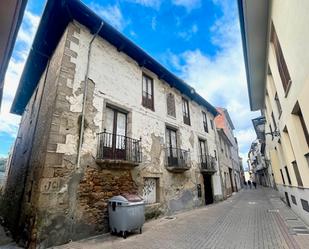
[(126, 213)]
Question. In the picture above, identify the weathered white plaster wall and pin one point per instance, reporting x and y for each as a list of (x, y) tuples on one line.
[(118, 81)]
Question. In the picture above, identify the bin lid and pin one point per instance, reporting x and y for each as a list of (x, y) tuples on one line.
[(126, 198), (118, 198)]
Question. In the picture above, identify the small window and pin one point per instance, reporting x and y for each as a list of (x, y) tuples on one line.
[(211, 124), (274, 121), (282, 176), (186, 111), (278, 104), (282, 67), (297, 111), (298, 177), (170, 102), (287, 174), (151, 190), (205, 124), (147, 100)]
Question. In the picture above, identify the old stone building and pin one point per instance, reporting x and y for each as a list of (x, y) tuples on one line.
[(100, 117), (228, 153), (275, 41)]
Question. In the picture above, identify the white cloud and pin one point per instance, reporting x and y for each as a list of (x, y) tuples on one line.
[(112, 14), (187, 35), (221, 78), (9, 122), (188, 4), (148, 3), (28, 28), (154, 23)]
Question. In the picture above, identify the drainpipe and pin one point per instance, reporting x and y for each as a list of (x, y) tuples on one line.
[(81, 135)]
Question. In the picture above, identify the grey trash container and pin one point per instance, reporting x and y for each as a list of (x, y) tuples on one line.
[(126, 213)]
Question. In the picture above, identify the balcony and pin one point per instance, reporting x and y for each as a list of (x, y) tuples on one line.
[(177, 160), (117, 151), (207, 164)]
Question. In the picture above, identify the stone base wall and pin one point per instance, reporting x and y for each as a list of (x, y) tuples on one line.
[(96, 188)]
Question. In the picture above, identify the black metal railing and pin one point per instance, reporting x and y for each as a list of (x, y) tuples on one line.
[(208, 162), (118, 147), (177, 158)]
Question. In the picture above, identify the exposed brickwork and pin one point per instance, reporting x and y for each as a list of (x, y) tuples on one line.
[(96, 187)]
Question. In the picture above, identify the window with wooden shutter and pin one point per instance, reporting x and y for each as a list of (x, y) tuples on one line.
[(186, 111), (147, 99), (205, 124), (282, 67), (170, 102)]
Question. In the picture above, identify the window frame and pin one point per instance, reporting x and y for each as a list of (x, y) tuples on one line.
[(146, 101), (279, 107), (168, 95), (205, 123), (186, 111)]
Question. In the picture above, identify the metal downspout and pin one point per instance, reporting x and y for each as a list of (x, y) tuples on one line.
[(85, 98)]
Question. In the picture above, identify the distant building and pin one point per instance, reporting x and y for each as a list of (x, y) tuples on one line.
[(228, 152), (276, 43)]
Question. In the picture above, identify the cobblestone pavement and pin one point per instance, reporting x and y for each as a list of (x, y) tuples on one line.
[(249, 219)]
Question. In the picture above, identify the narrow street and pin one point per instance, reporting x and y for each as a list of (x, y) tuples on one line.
[(249, 219)]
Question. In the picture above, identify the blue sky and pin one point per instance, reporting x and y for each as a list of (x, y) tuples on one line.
[(199, 40)]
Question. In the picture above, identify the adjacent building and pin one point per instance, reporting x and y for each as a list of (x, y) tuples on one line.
[(275, 41), (11, 15), (228, 153), (100, 117)]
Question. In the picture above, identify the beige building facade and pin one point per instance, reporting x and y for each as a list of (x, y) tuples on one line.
[(275, 39)]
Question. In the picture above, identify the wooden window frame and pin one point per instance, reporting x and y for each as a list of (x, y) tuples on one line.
[(168, 95), (146, 101), (205, 123), (186, 113)]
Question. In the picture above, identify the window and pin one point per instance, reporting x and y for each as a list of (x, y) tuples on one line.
[(205, 121), (171, 144), (170, 102), (298, 178), (307, 158), (186, 111), (287, 174), (215, 152), (297, 111), (147, 100), (211, 124), (278, 104), (115, 132), (282, 67), (151, 190), (282, 176), (203, 151), (274, 121)]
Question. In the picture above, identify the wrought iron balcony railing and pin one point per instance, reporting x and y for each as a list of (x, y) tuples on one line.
[(207, 163), (177, 160), (118, 148)]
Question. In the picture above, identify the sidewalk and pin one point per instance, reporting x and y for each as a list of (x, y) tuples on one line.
[(254, 218)]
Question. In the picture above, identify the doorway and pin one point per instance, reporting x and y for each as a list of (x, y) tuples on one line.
[(231, 179), (208, 189)]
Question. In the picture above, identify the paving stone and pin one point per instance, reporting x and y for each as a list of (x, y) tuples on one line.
[(244, 221)]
